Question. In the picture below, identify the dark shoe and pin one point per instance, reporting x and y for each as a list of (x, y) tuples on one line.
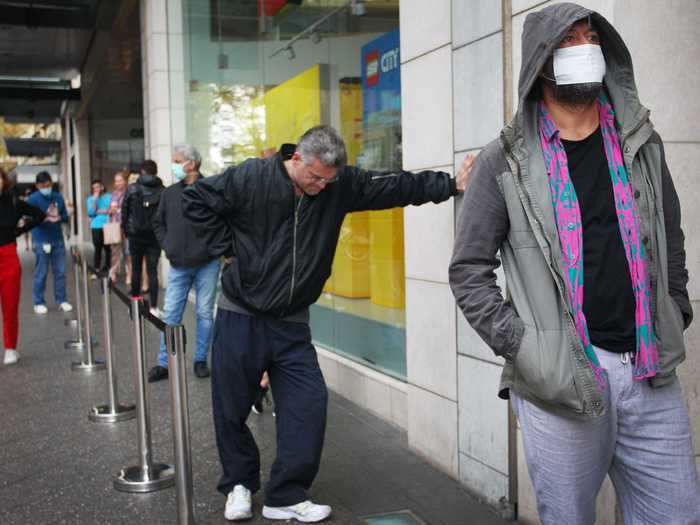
[(157, 373), (201, 369), (258, 406)]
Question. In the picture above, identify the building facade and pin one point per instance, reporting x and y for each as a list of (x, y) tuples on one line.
[(419, 85)]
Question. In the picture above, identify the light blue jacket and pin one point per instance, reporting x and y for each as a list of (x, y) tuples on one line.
[(98, 219)]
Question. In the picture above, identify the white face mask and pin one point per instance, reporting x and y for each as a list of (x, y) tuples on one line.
[(579, 65)]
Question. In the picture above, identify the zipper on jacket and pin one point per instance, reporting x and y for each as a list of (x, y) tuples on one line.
[(294, 249), (514, 165), (384, 176)]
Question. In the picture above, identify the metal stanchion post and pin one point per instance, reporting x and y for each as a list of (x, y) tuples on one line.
[(146, 476), (77, 343), (175, 344), (88, 364), (114, 411)]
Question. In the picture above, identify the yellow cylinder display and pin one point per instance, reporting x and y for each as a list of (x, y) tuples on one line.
[(351, 263), (386, 256)]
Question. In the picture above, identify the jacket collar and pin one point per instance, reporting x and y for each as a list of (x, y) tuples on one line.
[(182, 182)]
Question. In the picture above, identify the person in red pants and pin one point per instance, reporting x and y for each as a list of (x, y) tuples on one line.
[(12, 210)]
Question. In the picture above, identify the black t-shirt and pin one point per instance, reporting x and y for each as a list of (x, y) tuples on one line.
[(608, 298)]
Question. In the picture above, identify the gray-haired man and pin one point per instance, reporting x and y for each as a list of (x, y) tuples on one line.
[(279, 218), (191, 263)]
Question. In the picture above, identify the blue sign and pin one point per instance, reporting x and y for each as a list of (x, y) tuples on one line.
[(381, 75)]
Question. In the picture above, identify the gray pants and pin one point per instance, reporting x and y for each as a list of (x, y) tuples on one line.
[(643, 442)]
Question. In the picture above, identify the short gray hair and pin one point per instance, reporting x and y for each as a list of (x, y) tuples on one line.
[(188, 152), (322, 143)]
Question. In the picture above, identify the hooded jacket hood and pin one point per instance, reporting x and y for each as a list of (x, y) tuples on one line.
[(542, 32), (152, 181)]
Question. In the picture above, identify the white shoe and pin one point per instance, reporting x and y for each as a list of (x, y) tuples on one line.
[(306, 512), (238, 504), (156, 311), (40, 309), (11, 357), (66, 307)]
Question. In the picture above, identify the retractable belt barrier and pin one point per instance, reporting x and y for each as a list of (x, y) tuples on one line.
[(78, 343), (88, 363), (147, 476), (113, 411)]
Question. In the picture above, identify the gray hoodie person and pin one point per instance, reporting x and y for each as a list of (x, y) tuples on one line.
[(507, 209)]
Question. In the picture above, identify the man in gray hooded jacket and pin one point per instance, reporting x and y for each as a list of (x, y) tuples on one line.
[(577, 197)]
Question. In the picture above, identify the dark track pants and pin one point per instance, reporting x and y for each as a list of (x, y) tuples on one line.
[(243, 348)]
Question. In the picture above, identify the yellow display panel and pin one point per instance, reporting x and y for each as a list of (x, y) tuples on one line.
[(295, 106), (351, 263), (351, 118), (350, 277), (387, 258)]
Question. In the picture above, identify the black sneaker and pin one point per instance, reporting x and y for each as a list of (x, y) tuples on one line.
[(201, 369), (258, 406), (157, 373)]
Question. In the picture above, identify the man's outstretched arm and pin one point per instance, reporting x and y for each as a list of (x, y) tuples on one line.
[(371, 190)]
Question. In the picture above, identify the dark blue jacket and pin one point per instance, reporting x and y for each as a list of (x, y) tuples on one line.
[(47, 231)]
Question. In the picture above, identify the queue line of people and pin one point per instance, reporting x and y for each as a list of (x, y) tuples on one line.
[(577, 198)]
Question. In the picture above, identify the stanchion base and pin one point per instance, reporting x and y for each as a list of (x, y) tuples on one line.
[(88, 367), (74, 344), (136, 479), (103, 413)]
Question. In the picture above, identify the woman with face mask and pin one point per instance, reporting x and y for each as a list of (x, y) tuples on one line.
[(12, 209)]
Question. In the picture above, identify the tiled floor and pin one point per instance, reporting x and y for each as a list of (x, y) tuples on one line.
[(57, 467)]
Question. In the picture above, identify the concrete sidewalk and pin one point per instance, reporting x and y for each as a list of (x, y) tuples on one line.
[(57, 467)]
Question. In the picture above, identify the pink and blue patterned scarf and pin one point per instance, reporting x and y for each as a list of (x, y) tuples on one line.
[(568, 218)]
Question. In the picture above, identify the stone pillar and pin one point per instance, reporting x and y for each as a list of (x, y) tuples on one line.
[(163, 80), (81, 156), (426, 106)]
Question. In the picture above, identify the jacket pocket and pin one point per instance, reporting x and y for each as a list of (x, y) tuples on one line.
[(527, 361), (669, 333), (519, 239), (543, 368)]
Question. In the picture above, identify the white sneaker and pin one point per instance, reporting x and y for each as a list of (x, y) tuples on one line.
[(156, 311), (11, 357), (306, 512), (238, 504), (66, 307), (40, 309)]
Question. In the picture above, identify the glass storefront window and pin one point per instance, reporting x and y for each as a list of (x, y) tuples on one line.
[(261, 72)]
